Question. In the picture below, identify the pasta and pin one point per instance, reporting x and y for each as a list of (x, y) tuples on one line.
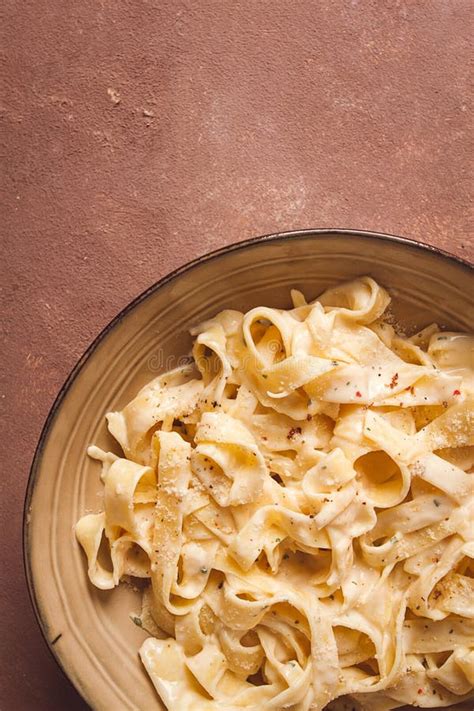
[(300, 499)]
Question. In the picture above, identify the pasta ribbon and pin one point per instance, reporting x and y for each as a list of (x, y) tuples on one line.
[(299, 501)]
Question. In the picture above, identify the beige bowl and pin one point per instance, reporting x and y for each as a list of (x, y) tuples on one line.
[(89, 631)]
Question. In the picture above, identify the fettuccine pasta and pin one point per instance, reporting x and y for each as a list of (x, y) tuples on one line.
[(300, 499)]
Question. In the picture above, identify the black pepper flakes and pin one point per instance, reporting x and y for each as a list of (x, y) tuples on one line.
[(294, 431)]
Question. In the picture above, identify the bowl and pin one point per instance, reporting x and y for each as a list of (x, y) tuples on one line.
[(89, 631)]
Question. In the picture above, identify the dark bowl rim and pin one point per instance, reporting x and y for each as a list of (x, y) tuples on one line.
[(188, 266)]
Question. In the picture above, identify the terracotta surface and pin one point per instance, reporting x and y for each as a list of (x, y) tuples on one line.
[(137, 135)]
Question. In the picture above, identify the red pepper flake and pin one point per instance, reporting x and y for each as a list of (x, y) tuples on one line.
[(420, 691), (412, 390), (436, 594), (309, 417), (358, 393), (456, 392), (394, 381), (294, 431)]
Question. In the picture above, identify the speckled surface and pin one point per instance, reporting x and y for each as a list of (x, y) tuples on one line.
[(138, 135)]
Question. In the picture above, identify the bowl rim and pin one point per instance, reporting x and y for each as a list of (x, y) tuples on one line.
[(156, 286)]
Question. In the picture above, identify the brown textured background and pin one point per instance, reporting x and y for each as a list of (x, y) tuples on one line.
[(139, 134)]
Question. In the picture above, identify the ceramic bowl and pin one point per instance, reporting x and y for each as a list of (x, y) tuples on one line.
[(89, 631)]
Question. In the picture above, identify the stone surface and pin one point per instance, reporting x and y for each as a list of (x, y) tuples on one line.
[(137, 135)]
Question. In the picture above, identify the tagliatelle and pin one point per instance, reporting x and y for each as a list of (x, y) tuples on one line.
[(301, 499)]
